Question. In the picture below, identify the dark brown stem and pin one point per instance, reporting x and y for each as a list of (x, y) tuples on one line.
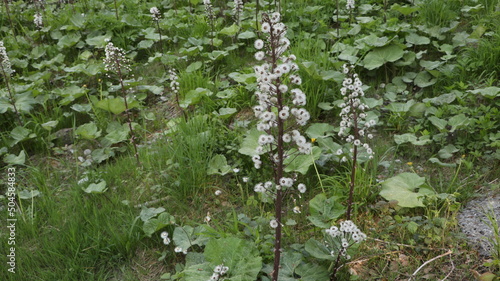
[(116, 10), (278, 204), (338, 23), (354, 163), (159, 32), (129, 118), (6, 2)]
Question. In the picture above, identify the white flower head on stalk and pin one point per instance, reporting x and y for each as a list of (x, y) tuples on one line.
[(209, 9), (237, 10), (38, 20), (4, 61), (354, 125), (347, 235), (115, 60), (155, 13), (350, 5), (174, 84), (280, 104)]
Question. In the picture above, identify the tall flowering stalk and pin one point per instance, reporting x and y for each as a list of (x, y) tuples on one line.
[(279, 115), (116, 62), (209, 11), (6, 4), (237, 10), (7, 71), (156, 15), (354, 126), (339, 239)]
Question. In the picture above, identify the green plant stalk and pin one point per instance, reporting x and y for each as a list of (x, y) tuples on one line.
[(317, 173)]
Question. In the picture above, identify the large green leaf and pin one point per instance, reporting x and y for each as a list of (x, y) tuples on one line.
[(406, 188), (324, 210), (458, 121), (153, 225), (88, 131), (439, 123), (15, 160), (116, 105), (416, 39), (302, 163), (230, 30), (241, 256), (411, 138), (194, 96), (96, 188), (318, 250), (250, 142), (218, 165), (489, 92), (379, 56)]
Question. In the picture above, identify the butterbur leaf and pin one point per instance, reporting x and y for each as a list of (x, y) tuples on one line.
[(250, 142), (218, 165), (147, 213), (153, 225), (489, 92), (379, 56), (15, 160), (447, 151), (96, 188), (88, 131), (324, 210), (116, 105), (301, 163), (406, 188), (28, 194), (241, 256), (439, 123), (312, 272), (438, 162), (458, 121), (194, 66), (318, 250), (230, 30)]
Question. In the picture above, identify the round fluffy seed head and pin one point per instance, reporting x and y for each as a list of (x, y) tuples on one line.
[(259, 44)]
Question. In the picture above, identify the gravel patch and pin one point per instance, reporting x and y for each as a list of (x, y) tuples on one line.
[(476, 226)]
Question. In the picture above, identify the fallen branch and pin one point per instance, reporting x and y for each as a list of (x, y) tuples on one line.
[(429, 261)]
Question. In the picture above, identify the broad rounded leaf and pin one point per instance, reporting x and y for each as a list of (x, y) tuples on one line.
[(379, 56), (406, 188)]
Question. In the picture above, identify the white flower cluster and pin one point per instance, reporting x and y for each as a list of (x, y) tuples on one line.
[(174, 84), (164, 236), (354, 125), (209, 9), (87, 160), (218, 272), (155, 13), (350, 5), (278, 102), (238, 9), (348, 233), (38, 20), (115, 60), (270, 78), (180, 250), (4, 61)]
